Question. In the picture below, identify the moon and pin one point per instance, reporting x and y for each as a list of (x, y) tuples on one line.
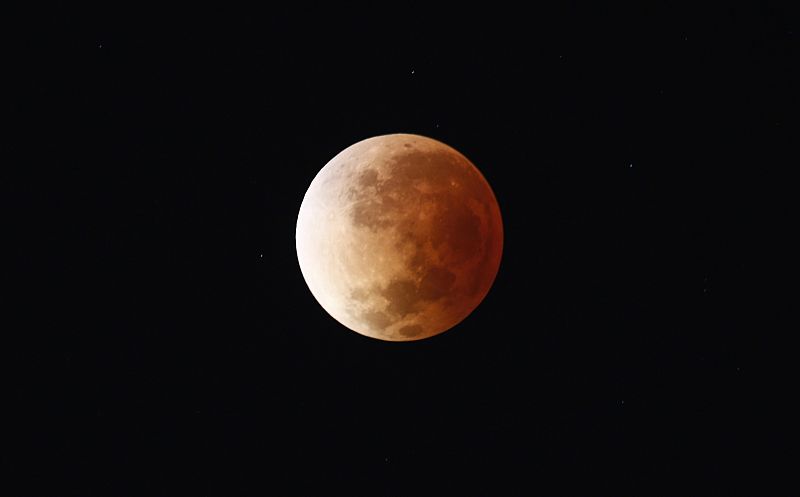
[(399, 237)]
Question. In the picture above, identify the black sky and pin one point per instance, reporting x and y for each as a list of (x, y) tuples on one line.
[(162, 340)]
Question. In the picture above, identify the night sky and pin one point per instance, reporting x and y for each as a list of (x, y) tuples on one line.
[(161, 340)]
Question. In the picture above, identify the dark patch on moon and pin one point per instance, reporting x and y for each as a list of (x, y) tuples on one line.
[(435, 168), (376, 319), (368, 214), (411, 330), (463, 233), (359, 294), (436, 283), (406, 297), (368, 178), (403, 297)]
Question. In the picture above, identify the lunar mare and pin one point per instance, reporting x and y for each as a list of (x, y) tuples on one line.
[(399, 237)]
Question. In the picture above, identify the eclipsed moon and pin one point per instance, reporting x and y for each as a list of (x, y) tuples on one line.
[(399, 237)]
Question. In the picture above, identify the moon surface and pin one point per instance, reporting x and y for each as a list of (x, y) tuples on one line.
[(399, 237)]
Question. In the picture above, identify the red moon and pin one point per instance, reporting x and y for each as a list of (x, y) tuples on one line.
[(399, 237)]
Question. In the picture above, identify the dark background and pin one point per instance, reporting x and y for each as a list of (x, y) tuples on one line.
[(161, 339)]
